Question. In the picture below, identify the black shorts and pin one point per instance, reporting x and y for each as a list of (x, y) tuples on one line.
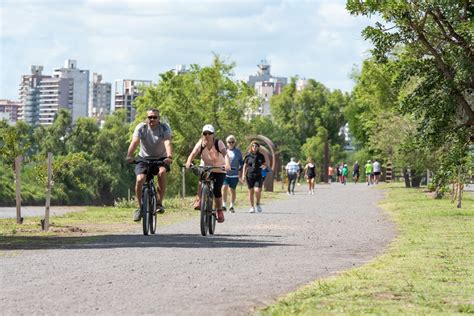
[(377, 173), (218, 182), (254, 181), (141, 167)]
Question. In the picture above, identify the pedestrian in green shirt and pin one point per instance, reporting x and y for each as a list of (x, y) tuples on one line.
[(369, 172)]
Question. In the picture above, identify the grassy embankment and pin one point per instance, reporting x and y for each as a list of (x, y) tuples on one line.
[(428, 269), (96, 221)]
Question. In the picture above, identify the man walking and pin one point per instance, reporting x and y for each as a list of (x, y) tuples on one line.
[(292, 171)]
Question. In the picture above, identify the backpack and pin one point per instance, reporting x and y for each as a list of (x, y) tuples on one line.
[(216, 145)]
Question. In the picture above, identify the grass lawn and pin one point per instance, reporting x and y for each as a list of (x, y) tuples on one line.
[(95, 221), (428, 269)]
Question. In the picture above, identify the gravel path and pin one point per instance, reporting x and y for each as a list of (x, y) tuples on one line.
[(27, 211), (251, 261)]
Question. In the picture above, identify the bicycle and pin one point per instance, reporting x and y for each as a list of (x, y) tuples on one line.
[(148, 204), (208, 214)]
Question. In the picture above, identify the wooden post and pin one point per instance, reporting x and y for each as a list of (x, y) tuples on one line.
[(48, 193), (18, 161), (324, 174), (183, 176)]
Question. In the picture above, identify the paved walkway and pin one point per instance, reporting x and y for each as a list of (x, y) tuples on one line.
[(251, 261), (28, 211)]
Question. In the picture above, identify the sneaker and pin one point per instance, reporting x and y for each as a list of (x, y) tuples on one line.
[(293, 192), (252, 210), (159, 208), (220, 216), (231, 209), (224, 208), (137, 216), (288, 192), (259, 208)]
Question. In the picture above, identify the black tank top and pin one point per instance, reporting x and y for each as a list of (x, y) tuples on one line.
[(311, 171)]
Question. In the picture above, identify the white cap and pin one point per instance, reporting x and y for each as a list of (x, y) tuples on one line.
[(208, 128)]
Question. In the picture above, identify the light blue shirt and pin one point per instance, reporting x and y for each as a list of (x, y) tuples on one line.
[(292, 167), (236, 162)]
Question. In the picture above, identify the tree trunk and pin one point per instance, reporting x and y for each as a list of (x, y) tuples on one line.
[(407, 178), (415, 179), (324, 173)]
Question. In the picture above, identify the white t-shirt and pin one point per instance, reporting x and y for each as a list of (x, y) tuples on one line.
[(376, 166)]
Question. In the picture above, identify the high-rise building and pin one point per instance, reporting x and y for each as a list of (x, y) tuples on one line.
[(10, 109), (54, 93), (80, 79), (264, 74), (126, 91), (100, 95), (265, 85), (29, 95)]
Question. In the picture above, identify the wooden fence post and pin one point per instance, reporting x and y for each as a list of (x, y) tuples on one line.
[(183, 170), (45, 223), (18, 161)]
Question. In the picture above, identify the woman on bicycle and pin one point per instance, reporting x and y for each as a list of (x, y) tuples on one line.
[(213, 153)]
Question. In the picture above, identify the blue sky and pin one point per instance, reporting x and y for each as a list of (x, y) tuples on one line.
[(137, 39)]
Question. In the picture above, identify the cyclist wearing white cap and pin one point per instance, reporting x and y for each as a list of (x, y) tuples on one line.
[(213, 153)]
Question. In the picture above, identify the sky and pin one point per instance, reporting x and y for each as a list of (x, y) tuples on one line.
[(138, 39)]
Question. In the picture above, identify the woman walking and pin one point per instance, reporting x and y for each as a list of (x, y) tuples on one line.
[(310, 174), (252, 174)]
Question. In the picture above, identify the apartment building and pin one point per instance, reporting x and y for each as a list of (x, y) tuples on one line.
[(10, 110), (126, 91), (80, 79), (266, 85), (100, 96), (54, 93), (29, 95)]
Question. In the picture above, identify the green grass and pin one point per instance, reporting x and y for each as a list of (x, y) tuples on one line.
[(428, 269)]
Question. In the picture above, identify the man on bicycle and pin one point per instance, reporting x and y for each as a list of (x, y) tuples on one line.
[(155, 143)]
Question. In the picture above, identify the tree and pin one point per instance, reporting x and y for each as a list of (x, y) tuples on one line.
[(14, 141), (83, 135), (53, 138), (436, 58), (202, 95), (299, 114)]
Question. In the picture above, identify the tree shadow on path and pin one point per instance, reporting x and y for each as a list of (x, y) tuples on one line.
[(138, 241)]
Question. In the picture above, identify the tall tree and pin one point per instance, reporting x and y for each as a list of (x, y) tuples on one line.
[(437, 57), (201, 95)]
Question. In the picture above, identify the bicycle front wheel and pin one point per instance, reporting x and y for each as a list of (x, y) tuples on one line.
[(212, 222), (145, 210), (152, 215), (205, 201)]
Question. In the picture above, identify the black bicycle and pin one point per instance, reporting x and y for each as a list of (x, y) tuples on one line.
[(148, 205), (208, 214)]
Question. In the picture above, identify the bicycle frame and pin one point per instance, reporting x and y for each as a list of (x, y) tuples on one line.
[(148, 203)]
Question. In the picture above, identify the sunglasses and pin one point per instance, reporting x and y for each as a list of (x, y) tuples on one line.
[(152, 117), (207, 133), (230, 142)]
